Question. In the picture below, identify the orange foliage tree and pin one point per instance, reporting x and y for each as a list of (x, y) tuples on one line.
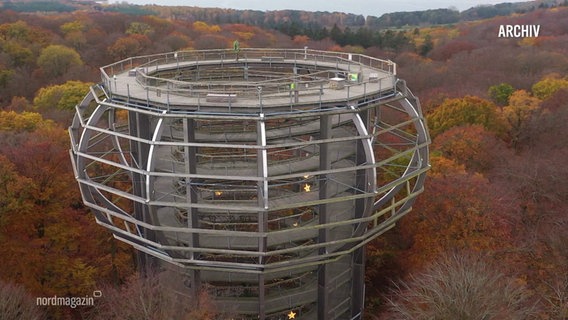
[(51, 244), (470, 145), (458, 211), (131, 45)]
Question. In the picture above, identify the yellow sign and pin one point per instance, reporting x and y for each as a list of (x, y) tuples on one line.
[(292, 315)]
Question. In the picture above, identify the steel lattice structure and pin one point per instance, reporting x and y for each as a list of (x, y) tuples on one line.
[(262, 175)]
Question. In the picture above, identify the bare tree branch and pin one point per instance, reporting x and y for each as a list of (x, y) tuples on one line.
[(460, 287), (17, 303)]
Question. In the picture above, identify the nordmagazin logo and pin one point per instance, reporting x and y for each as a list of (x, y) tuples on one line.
[(519, 30), (72, 302)]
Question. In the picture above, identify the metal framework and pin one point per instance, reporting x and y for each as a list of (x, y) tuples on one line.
[(262, 175)]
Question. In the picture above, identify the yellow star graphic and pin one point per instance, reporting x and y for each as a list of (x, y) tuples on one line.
[(292, 315)]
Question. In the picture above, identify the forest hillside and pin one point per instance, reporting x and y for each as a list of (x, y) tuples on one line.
[(496, 198)]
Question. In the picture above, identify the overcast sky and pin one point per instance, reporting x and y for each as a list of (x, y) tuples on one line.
[(364, 7)]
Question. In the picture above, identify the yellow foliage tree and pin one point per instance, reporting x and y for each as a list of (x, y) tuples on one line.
[(18, 122), (56, 60), (548, 86), (62, 97), (462, 111), (18, 30), (521, 108), (203, 27), (72, 26), (140, 28), (19, 54)]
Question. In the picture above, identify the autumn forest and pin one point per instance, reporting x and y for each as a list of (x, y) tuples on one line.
[(490, 227)]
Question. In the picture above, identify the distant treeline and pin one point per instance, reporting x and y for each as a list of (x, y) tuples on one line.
[(39, 6), (316, 25), (294, 21), (322, 19)]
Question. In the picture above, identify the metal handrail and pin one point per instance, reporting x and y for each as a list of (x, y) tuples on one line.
[(145, 66)]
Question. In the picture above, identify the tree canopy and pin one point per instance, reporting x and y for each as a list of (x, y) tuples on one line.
[(461, 111), (498, 127), (56, 60), (62, 97)]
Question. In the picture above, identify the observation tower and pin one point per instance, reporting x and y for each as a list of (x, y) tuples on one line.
[(262, 176)]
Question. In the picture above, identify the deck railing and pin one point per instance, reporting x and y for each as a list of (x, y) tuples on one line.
[(147, 71)]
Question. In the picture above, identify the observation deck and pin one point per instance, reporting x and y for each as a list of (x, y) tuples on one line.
[(264, 81)]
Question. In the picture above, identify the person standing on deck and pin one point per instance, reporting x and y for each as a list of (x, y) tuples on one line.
[(236, 48)]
